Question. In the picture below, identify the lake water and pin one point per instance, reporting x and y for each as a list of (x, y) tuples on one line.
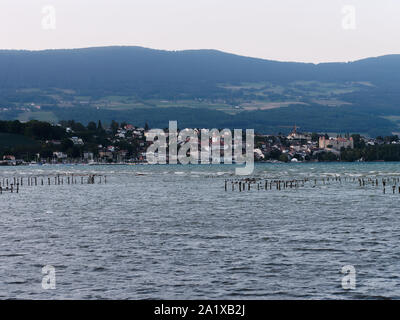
[(173, 232)]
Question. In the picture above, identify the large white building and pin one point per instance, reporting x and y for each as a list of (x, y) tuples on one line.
[(335, 143)]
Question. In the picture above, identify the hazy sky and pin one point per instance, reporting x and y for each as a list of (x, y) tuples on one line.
[(296, 30)]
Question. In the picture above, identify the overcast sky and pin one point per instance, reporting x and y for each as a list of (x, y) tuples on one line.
[(288, 30)]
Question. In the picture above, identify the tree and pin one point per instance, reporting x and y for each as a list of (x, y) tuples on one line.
[(91, 126), (283, 157), (327, 156), (358, 142), (74, 152), (46, 153), (16, 127), (66, 144), (275, 154), (114, 126), (315, 137)]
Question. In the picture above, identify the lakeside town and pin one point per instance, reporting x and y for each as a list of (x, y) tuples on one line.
[(70, 142)]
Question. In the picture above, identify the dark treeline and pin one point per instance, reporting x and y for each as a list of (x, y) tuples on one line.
[(382, 150), (387, 152), (34, 129), (25, 140)]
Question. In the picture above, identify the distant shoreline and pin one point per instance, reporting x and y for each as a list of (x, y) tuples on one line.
[(192, 164)]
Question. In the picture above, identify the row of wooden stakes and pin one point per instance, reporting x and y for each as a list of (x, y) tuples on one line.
[(278, 184), (14, 184), (246, 184)]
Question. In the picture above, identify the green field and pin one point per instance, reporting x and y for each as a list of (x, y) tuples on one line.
[(238, 97)]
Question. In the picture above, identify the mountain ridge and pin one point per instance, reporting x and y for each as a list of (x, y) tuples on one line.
[(124, 62), (210, 50), (123, 78)]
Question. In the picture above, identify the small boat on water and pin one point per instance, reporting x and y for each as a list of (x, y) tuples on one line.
[(34, 163)]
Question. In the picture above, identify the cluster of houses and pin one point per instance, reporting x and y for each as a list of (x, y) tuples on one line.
[(294, 147), (299, 146), (110, 152)]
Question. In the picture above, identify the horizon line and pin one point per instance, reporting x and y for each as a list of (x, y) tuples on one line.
[(201, 49)]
